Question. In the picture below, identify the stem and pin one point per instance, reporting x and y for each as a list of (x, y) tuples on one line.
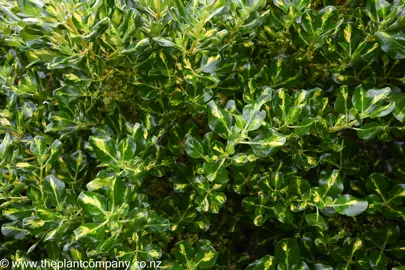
[(197, 38), (41, 168), (158, 9), (73, 28)]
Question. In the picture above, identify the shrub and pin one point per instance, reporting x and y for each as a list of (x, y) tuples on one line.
[(229, 134)]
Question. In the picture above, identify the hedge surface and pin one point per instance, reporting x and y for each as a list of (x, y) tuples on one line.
[(228, 134)]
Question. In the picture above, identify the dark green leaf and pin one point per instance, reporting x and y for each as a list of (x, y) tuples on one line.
[(193, 147), (349, 205), (392, 44)]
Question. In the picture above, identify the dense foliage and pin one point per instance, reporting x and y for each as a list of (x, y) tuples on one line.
[(225, 134)]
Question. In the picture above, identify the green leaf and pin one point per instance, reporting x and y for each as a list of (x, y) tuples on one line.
[(54, 151), (166, 43), (53, 250), (399, 110), (104, 104), (378, 260), (266, 263), (349, 205), (392, 44), (287, 252), (282, 4), (283, 213), (184, 252), (281, 102), (389, 233), (5, 149), (377, 183), (294, 114), (249, 203), (342, 100), (240, 159), (205, 257), (104, 148), (55, 190), (208, 64), (370, 131), (253, 116), (208, 200), (374, 203), (61, 123), (303, 127), (216, 201), (106, 245), (38, 148), (93, 203), (316, 220), (360, 100), (330, 183), (267, 143), (215, 172), (77, 162), (277, 180), (90, 232), (157, 224), (152, 252), (193, 147), (137, 219), (383, 110), (17, 212), (127, 148), (219, 120), (397, 191), (377, 95), (382, 7), (184, 14), (319, 266), (118, 195), (139, 47)]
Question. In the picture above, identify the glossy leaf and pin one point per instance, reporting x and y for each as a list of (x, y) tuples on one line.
[(317, 220), (287, 252), (93, 203), (105, 148), (393, 45), (330, 183), (349, 205), (267, 143), (219, 120), (193, 147), (399, 111), (201, 134), (55, 190), (266, 263)]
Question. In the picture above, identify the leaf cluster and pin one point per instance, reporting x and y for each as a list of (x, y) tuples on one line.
[(227, 134)]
